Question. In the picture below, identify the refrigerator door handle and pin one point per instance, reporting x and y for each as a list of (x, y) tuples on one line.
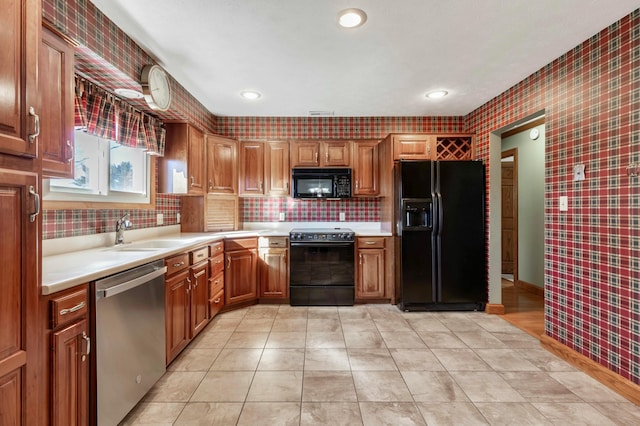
[(440, 214)]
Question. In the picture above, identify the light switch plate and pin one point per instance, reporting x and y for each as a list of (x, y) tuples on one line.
[(281, 216), (342, 216), (177, 217), (563, 203), (159, 219)]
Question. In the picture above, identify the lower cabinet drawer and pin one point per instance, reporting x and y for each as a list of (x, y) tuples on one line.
[(216, 284), (216, 303), (216, 264)]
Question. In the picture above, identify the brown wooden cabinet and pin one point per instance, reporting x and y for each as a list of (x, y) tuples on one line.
[(216, 278), (67, 337), (412, 147), (320, 153), (186, 298), (177, 313), (273, 271), (56, 94), (19, 38), (19, 332), (365, 168), (70, 375), (370, 269), (264, 168), (240, 276), (277, 170), (177, 303), (199, 297), (222, 165), (182, 169), (251, 168)]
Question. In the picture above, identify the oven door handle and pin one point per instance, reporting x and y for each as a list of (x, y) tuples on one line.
[(329, 244)]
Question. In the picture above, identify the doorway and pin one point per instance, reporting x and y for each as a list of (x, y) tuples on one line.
[(509, 215), (522, 226)]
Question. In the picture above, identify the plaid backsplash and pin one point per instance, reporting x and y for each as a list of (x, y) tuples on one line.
[(297, 210)]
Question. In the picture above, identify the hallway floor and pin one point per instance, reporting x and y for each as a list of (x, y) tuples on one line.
[(373, 365), (523, 308)]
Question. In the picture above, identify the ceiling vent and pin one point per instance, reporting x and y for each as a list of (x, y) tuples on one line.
[(321, 113)]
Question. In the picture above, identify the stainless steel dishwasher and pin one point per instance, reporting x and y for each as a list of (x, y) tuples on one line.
[(130, 339)]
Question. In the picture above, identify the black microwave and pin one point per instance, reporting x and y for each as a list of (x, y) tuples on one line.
[(321, 183)]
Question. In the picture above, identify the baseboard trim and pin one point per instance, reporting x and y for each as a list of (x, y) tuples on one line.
[(494, 308), (531, 288), (619, 384)]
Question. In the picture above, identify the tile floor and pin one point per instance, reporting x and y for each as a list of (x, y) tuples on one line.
[(373, 365)]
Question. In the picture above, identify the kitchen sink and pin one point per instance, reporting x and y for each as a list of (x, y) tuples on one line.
[(153, 245)]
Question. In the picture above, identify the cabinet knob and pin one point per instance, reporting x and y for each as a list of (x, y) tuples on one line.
[(217, 301)]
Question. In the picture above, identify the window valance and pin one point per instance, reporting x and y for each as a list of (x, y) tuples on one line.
[(100, 113)]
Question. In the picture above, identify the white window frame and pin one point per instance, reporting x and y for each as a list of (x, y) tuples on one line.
[(105, 196)]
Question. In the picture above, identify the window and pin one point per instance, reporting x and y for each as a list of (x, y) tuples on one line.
[(104, 172)]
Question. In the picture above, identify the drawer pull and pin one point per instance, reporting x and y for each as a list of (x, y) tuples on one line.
[(199, 255), (217, 301), (370, 242), (218, 262), (74, 309), (179, 264)]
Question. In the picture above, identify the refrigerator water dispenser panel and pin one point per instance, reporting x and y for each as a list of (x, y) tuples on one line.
[(417, 214)]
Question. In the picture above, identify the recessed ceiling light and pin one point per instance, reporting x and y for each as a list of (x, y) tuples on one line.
[(352, 18), (437, 94), (128, 93), (250, 94)]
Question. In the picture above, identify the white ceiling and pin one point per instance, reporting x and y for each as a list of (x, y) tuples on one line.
[(294, 53)]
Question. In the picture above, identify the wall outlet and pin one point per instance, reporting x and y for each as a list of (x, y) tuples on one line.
[(563, 203), (177, 217), (159, 219), (342, 217), (281, 216)]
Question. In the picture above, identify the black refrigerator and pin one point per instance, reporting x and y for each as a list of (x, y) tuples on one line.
[(440, 235)]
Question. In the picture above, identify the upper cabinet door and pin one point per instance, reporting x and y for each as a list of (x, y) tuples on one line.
[(365, 168), (276, 168), (412, 147), (196, 162), (251, 168), (182, 169), (19, 41), (56, 92), (335, 153), (305, 154), (222, 165)]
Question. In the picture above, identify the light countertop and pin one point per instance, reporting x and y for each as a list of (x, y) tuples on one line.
[(68, 262)]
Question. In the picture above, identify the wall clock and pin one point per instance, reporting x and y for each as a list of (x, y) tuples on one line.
[(156, 87)]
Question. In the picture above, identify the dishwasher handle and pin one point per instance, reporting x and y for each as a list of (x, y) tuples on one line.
[(128, 285)]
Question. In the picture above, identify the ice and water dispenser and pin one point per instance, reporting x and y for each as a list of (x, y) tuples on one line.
[(417, 214)]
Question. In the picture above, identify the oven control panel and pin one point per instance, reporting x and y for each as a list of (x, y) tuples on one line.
[(347, 236)]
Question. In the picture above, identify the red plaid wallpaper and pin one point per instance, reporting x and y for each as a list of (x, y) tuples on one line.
[(108, 57), (333, 127), (591, 99)]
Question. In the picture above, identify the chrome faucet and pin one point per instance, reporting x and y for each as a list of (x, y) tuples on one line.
[(122, 224)]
